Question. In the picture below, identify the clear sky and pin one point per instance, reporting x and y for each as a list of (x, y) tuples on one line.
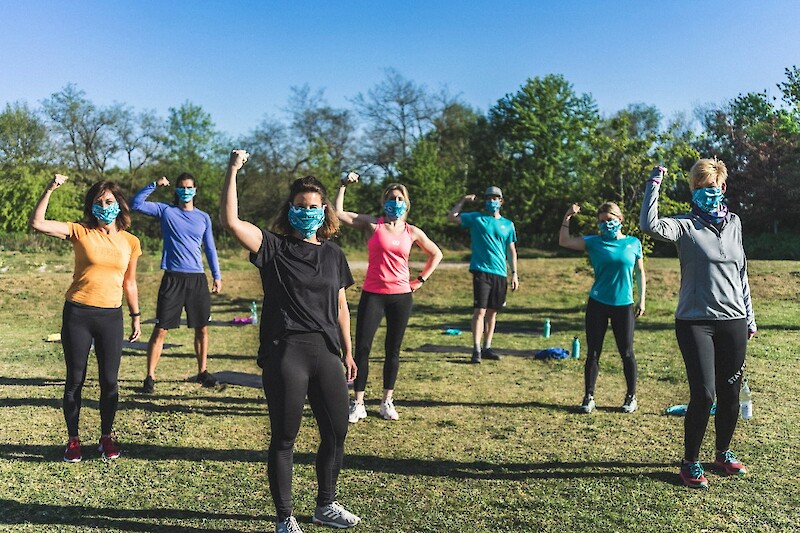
[(238, 60)]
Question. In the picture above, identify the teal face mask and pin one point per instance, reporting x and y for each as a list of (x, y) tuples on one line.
[(395, 209), (493, 206), (610, 228), (306, 221), (708, 199), (107, 214), (185, 193)]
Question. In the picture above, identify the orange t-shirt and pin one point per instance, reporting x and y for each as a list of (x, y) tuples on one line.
[(101, 261)]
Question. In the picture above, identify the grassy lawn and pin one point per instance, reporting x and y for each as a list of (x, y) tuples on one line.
[(495, 447)]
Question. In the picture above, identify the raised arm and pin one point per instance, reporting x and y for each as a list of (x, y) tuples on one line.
[(349, 218), (663, 229), (454, 216), (564, 238), (641, 283), (139, 201), (434, 256), (248, 235), (54, 228)]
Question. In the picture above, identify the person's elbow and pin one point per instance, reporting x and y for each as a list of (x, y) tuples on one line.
[(453, 219)]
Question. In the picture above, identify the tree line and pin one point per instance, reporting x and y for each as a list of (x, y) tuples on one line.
[(545, 145)]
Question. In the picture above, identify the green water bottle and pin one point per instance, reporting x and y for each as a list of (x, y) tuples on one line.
[(253, 313), (546, 331), (576, 348)]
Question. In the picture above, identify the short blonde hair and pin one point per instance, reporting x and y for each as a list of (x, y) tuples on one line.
[(707, 173), (612, 209)]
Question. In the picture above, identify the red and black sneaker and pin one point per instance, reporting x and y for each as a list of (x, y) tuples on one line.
[(73, 452), (108, 447), (729, 464), (692, 475)]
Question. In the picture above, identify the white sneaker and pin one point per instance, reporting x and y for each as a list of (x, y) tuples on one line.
[(387, 410), (357, 411), (588, 404), (289, 525), (630, 404), (334, 515)]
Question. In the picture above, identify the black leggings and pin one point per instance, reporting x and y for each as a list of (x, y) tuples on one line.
[(371, 309), (622, 320), (79, 326), (713, 352), (301, 365)]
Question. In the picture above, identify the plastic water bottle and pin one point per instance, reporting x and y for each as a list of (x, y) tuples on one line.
[(253, 313), (576, 348), (746, 401), (546, 332)]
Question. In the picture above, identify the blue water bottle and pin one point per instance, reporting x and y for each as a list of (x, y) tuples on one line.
[(576, 348), (546, 332)]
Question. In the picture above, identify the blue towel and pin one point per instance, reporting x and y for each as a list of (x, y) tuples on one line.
[(552, 353)]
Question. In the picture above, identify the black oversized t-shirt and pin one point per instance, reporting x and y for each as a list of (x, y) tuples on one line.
[(301, 289)]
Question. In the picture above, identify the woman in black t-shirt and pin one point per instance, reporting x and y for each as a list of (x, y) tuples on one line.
[(305, 327)]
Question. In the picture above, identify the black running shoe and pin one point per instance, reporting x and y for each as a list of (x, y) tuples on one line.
[(476, 357), (149, 385), (488, 353), (206, 379)]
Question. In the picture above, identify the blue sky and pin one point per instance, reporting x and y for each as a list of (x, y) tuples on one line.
[(238, 60)]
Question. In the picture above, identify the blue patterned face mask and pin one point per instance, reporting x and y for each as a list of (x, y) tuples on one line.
[(306, 221), (708, 199), (185, 193), (395, 209), (610, 229), (493, 206), (107, 214)]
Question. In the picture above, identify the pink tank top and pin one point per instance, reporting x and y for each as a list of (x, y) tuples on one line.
[(387, 272)]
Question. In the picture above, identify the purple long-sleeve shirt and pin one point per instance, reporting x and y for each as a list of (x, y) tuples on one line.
[(185, 233)]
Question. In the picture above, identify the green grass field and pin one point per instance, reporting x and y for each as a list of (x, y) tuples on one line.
[(495, 447)]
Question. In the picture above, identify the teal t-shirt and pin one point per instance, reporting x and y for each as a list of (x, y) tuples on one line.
[(613, 263), (490, 240)]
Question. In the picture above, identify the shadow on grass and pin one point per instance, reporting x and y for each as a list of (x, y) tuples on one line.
[(149, 403), (385, 465), (105, 518), (190, 355)]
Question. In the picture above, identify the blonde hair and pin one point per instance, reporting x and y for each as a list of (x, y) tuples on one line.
[(707, 173), (612, 209), (397, 187)]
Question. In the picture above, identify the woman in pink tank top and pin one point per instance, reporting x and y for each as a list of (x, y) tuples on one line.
[(386, 290)]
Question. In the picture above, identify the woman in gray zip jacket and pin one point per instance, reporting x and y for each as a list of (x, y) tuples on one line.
[(714, 319)]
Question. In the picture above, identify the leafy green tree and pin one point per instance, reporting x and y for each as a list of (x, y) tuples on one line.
[(23, 137), (194, 145), (436, 171), (758, 141), (536, 146), (84, 133), (21, 187)]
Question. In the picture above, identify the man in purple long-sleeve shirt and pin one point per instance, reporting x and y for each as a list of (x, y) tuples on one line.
[(186, 231)]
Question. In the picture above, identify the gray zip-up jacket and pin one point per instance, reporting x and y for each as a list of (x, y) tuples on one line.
[(714, 282)]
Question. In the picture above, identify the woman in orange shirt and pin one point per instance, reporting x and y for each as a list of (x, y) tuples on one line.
[(105, 269)]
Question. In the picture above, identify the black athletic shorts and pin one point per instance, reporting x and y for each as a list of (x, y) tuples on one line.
[(181, 291), (488, 290)]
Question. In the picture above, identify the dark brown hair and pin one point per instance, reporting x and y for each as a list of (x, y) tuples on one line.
[(328, 229), (123, 220), (184, 176)]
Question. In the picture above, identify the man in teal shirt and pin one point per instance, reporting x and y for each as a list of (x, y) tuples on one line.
[(493, 241)]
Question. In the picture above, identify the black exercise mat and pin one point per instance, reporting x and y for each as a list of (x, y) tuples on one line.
[(243, 379)]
